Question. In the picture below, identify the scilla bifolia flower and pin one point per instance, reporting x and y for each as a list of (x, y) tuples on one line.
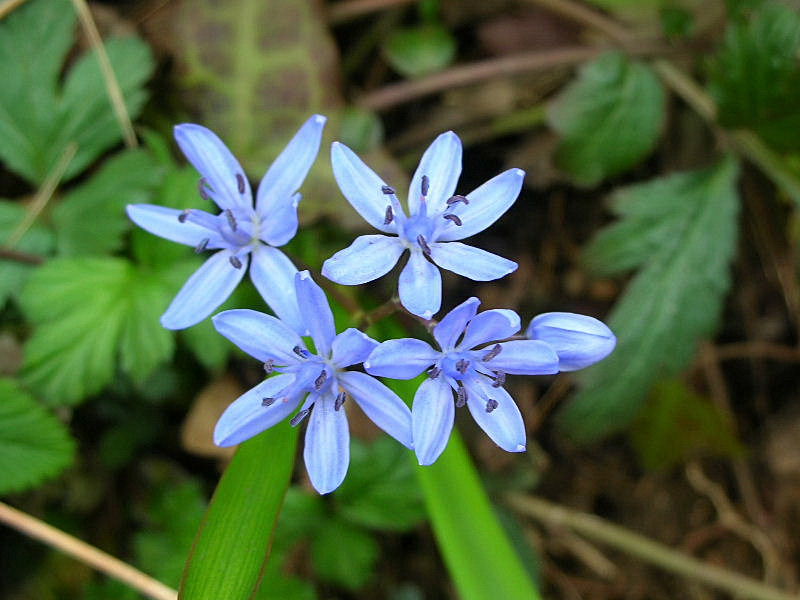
[(437, 219), (319, 381), (243, 230), (578, 340), (471, 365)]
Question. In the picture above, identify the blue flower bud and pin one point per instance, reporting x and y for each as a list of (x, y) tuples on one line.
[(578, 340)]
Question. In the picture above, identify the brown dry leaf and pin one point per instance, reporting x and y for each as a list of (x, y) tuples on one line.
[(197, 430)]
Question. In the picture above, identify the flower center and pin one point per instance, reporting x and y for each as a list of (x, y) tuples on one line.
[(456, 365)]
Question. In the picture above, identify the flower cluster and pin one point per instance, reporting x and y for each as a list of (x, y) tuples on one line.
[(476, 350)]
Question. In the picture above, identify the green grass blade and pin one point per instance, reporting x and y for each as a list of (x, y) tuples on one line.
[(234, 541)]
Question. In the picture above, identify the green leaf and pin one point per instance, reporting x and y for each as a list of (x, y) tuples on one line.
[(681, 231), (420, 50), (38, 117), (755, 78), (609, 118), (676, 424), (34, 445), (344, 554), (233, 543), (91, 218), (37, 240)]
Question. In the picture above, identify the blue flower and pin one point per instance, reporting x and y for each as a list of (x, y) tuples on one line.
[(320, 379), (242, 230), (437, 219), (475, 376), (578, 340)]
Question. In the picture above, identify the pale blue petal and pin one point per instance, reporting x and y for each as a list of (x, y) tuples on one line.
[(280, 225), (285, 176), (432, 419), (470, 262), (367, 258), (486, 204), (579, 340), (327, 450), (247, 416), (205, 290), (315, 312), (525, 357), (490, 326), (351, 347), (452, 325), (361, 186), (380, 404), (504, 424), (163, 222), (273, 275), (262, 336), (420, 286), (401, 359), (442, 164), (216, 164)]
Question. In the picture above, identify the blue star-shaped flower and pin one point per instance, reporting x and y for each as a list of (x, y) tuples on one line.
[(579, 340), (476, 376), (320, 379), (242, 230), (438, 218)]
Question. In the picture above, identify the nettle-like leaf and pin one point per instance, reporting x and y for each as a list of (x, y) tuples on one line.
[(39, 116), (86, 313), (37, 240), (34, 445), (755, 77), (680, 231), (609, 118)]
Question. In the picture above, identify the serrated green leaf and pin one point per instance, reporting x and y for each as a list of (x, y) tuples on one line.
[(34, 445), (343, 554), (682, 231), (609, 118), (37, 240), (755, 78), (420, 50), (91, 218), (39, 118), (676, 424)]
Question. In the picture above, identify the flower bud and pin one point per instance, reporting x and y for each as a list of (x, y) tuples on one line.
[(578, 340)]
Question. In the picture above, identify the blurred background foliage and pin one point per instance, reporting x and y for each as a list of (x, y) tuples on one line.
[(660, 140)]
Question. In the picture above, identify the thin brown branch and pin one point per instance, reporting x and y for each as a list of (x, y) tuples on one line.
[(22, 257), (345, 10), (9, 6), (579, 13), (765, 350)]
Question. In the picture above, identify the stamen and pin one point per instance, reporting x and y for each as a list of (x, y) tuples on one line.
[(301, 352), (231, 219), (454, 219), (496, 349), (462, 365), (268, 401), (269, 366), (298, 418), (426, 184), (461, 395), (452, 200), (491, 404), (340, 400), (320, 380), (202, 245), (184, 215), (240, 183), (434, 372), (426, 250), (389, 215), (499, 379), (237, 264), (202, 190), (388, 190)]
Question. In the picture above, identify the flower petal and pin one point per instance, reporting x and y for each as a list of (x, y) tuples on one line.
[(262, 336), (204, 291), (420, 286), (273, 275), (490, 326), (401, 359), (579, 340), (486, 204), (452, 325), (163, 222), (504, 423), (247, 416), (367, 258), (287, 173), (351, 347), (280, 225), (442, 164), (315, 312), (327, 450), (216, 164), (380, 404), (470, 262), (361, 186), (432, 419), (525, 357)]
